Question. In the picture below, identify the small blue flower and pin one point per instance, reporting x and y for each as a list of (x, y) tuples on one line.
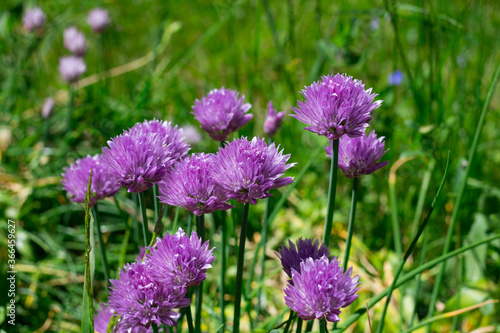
[(396, 78)]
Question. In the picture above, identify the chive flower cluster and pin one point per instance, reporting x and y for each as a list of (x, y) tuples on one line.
[(340, 108), (150, 291), (319, 287)]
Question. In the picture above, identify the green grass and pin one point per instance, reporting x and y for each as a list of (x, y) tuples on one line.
[(267, 50)]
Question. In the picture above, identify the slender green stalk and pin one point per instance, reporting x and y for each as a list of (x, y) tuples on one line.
[(88, 286), (223, 255), (350, 227), (155, 328), (199, 292), (176, 219), (458, 201), (299, 325), (409, 277), (410, 249), (156, 203), (239, 269), (396, 234), (70, 108), (322, 326), (309, 325), (419, 278), (189, 317), (460, 275), (102, 247), (142, 207), (291, 316), (262, 260), (332, 188)]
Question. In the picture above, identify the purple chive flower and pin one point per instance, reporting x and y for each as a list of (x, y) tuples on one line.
[(141, 300), (48, 108), (74, 41), (335, 106), (320, 289), (395, 78), (292, 256), (76, 180), (33, 19), (143, 155), (273, 120), (191, 134), (71, 68), (359, 156), (248, 170), (179, 260), (98, 19), (221, 112), (190, 185), (102, 318)]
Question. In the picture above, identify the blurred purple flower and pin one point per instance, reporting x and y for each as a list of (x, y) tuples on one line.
[(179, 260), (71, 68), (33, 19), (359, 156), (48, 107), (141, 300), (143, 155), (335, 106), (74, 41), (221, 112), (191, 134), (98, 19), (76, 179), (273, 120), (395, 78), (102, 318), (375, 24), (320, 289), (190, 185), (248, 170), (292, 256)]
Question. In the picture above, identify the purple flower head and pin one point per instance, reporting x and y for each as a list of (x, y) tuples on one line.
[(102, 318), (180, 260), (248, 170), (292, 256), (221, 112), (141, 300), (48, 108), (76, 180), (191, 134), (273, 120), (395, 78), (190, 185), (359, 156), (98, 19), (320, 289), (33, 19), (74, 41), (71, 68), (143, 155), (335, 106)]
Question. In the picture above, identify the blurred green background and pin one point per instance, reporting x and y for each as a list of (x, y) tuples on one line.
[(164, 54)]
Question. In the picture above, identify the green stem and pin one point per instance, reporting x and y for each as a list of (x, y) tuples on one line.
[(142, 207), (263, 259), (291, 317), (155, 328), (419, 279), (239, 269), (410, 250), (299, 325), (458, 201), (155, 201), (350, 227), (327, 233), (322, 326), (396, 234), (309, 325), (176, 218), (189, 317), (199, 293), (101, 242)]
